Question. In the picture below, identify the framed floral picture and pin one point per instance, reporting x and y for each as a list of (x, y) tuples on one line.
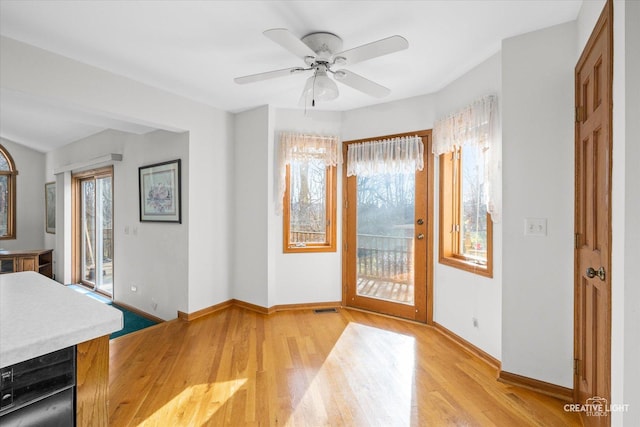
[(160, 192), (50, 207)]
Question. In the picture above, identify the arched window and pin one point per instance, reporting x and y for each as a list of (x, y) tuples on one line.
[(7, 195)]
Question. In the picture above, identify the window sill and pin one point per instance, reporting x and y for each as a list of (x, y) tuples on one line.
[(308, 249), (469, 266)]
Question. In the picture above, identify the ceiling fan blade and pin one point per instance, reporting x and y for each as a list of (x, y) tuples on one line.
[(362, 84), (373, 50), (268, 75), (290, 42)]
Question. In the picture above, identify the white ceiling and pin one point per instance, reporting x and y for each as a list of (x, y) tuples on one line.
[(196, 48)]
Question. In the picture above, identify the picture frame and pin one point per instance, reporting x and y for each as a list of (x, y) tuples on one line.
[(50, 207), (159, 187)]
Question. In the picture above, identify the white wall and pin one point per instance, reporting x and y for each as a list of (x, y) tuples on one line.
[(153, 256), (537, 133), (587, 17), (210, 150), (306, 277), (262, 273), (461, 296), (250, 221), (29, 198), (390, 118)]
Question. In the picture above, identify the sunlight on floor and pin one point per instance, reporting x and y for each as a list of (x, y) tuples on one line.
[(190, 403), (378, 366)]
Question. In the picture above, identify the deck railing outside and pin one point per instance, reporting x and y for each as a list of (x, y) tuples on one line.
[(385, 258), (381, 258)]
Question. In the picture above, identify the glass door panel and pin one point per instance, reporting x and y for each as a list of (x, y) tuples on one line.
[(104, 235), (96, 247), (88, 261), (385, 237)]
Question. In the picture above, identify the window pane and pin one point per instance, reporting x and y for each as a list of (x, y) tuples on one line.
[(473, 224), (385, 237), (4, 163), (88, 231), (308, 202), (4, 204)]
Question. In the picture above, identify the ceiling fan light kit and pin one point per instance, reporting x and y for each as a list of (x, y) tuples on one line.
[(322, 50), (319, 87)]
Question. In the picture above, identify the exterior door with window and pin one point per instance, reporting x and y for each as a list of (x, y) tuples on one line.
[(387, 236), (94, 231)]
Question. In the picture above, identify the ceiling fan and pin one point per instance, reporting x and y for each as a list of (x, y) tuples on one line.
[(320, 52)]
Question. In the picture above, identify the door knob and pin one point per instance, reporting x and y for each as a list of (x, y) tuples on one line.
[(420, 236), (420, 221), (591, 273)]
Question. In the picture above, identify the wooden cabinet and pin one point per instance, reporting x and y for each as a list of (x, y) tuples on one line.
[(21, 260)]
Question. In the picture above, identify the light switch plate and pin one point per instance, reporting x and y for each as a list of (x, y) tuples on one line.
[(535, 226)]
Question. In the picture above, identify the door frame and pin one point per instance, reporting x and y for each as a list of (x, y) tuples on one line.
[(428, 165), (605, 19), (76, 217)]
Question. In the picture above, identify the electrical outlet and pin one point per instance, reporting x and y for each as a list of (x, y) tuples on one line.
[(535, 226)]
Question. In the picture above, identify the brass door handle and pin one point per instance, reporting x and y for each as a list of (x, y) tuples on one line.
[(420, 236), (591, 273)]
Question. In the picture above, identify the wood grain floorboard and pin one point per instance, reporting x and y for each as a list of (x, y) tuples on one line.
[(297, 368)]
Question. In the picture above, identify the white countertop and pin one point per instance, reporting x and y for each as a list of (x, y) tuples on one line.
[(39, 315)]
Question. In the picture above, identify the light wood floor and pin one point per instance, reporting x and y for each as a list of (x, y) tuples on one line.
[(298, 368)]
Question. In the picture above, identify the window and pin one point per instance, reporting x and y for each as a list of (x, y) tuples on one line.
[(7, 195), (470, 185), (310, 207), (308, 186), (465, 226)]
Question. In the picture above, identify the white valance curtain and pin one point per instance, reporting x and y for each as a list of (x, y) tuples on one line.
[(395, 155), (297, 146), (476, 124)]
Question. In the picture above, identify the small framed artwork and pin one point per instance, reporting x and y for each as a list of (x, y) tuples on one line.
[(50, 207), (160, 192)]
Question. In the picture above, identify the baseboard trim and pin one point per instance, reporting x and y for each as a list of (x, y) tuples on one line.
[(139, 312), (256, 308), (553, 390), (468, 347), (205, 311), (251, 307), (305, 306)]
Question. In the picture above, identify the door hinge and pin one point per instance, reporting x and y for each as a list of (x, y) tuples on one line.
[(576, 240), (576, 366), (579, 114)]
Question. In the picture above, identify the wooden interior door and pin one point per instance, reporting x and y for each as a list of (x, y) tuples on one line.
[(387, 264), (593, 80)]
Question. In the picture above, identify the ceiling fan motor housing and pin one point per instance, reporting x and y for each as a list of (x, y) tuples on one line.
[(323, 44)]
